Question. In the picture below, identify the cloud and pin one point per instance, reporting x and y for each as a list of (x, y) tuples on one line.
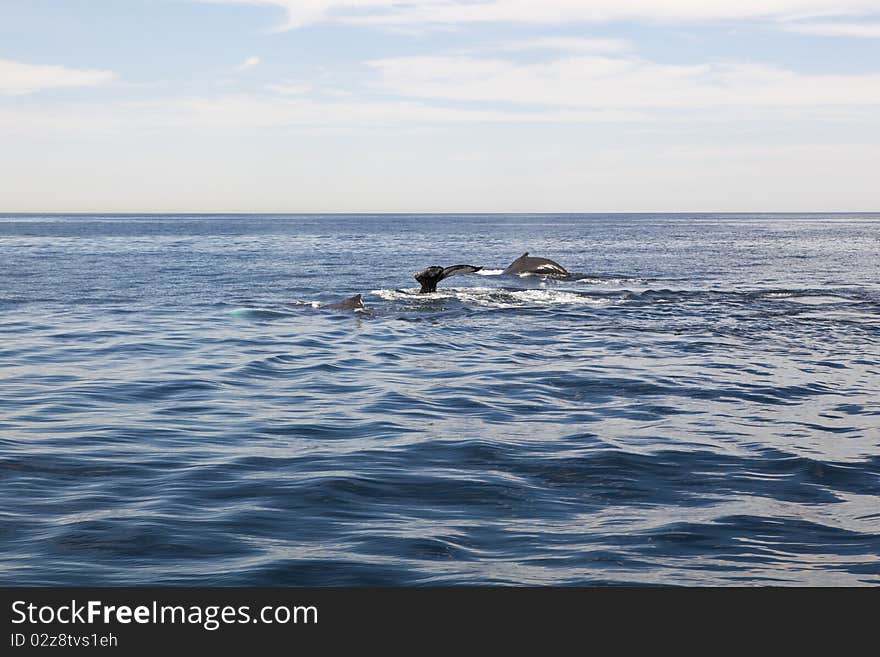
[(302, 12), (289, 88), (578, 80), (17, 78), (568, 44), (863, 30), (233, 113), (571, 88), (248, 63), (394, 12), (625, 82)]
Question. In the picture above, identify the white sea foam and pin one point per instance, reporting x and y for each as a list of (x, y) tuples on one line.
[(492, 297), (808, 299), (553, 297), (588, 280), (819, 300), (591, 280)]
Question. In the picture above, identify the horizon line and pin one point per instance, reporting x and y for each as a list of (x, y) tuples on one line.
[(416, 212)]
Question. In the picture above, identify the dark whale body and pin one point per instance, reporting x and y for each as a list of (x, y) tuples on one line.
[(428, 278), (526, 264), (351, 303)]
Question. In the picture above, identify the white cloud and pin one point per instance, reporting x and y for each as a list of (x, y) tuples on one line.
[(246, 112), (394, 12), (568, 44), (604, 82), (430, 90), (289, 88), (17, 78), (303, 12), (248, 63), (863, 30)]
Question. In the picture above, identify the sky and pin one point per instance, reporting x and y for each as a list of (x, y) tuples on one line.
[(439, 105)]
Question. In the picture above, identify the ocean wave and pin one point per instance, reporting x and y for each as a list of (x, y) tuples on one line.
[(699, 408)]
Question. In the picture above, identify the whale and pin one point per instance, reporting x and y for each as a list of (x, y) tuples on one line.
[(351, 303), (430, 276), (527, 264)]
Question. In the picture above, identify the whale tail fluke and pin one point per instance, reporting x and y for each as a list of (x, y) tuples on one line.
[(459, 269), (428, 278)]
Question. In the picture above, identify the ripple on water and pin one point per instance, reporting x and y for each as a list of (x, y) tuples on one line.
[(678, 415)]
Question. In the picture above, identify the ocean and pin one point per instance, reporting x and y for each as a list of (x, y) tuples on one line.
[(698, 405)]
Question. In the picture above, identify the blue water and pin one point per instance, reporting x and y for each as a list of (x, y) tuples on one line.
[(699, 405)]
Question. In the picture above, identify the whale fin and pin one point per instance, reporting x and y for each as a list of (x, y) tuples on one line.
[(351, 303), (512, 267)]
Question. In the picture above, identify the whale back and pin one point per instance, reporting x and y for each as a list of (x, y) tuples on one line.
[(527, 264), (351, 303)]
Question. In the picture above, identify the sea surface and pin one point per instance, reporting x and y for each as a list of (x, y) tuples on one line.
[(698, 405)]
